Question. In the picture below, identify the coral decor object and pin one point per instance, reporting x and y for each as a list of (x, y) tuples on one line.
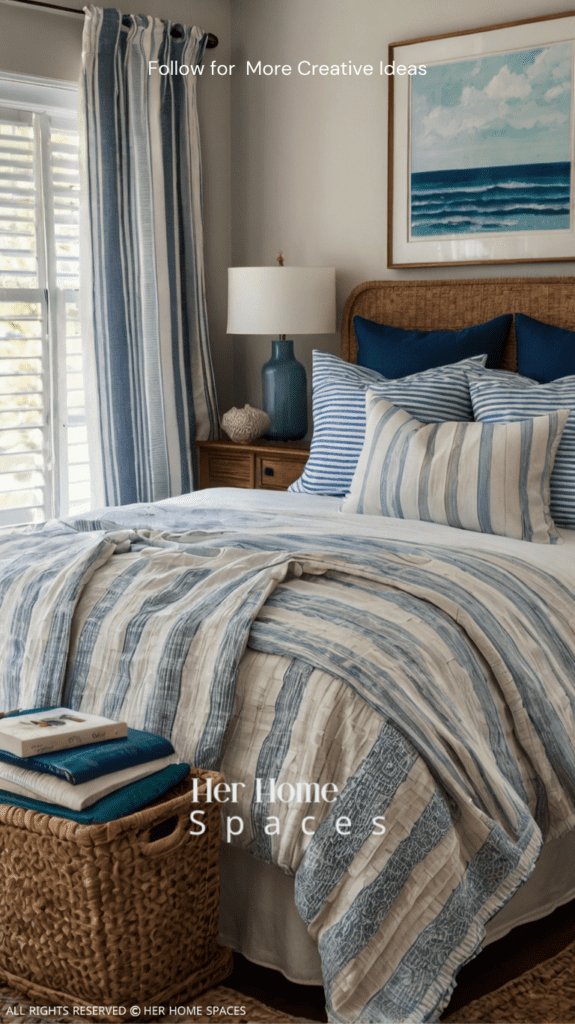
[(245, 425)]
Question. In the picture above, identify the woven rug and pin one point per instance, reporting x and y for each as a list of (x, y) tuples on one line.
[(543, 995), (15, 1009)]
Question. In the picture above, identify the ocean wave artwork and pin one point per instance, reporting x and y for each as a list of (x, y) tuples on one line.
[(524, 197), (491, 144)]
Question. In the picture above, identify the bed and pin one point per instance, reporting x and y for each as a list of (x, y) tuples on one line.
[(248, 883), (406, 685)]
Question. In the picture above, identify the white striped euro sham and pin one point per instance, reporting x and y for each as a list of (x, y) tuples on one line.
[(487, 477)]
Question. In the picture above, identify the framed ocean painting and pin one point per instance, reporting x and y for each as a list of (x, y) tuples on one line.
[(481, 145)]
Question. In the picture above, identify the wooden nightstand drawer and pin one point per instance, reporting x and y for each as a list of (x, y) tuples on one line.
[(273, 473), (229, 470), (270, 465)]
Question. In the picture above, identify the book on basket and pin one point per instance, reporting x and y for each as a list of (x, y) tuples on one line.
[(80, 764), (38, 786), (130, 798), (40, 732)]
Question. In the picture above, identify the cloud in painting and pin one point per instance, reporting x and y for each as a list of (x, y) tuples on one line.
[(506, 85), (553, 93), (493, 111)]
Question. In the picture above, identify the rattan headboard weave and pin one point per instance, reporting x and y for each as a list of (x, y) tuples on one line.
[(451, 305)]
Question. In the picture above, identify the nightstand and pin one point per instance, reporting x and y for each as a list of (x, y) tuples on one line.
[(272, 465)]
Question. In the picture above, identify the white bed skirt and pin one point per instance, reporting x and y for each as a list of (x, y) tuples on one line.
[(258, 917)]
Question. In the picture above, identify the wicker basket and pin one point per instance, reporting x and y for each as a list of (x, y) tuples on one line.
[(120, 914)]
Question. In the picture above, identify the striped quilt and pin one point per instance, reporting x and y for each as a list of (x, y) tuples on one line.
[(398, 717)]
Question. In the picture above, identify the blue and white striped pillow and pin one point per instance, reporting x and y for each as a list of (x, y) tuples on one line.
[(339, 412), (497, 401), (487, 477)]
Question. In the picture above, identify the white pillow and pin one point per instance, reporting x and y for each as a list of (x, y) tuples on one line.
[(487, 477)]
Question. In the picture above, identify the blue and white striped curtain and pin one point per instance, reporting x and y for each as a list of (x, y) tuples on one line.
[(150, 387)]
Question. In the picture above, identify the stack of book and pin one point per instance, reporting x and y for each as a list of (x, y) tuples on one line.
[(82, 766)]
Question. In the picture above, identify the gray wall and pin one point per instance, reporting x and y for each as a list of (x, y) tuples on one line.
[(49, 44), (292, 163), (309, 155)]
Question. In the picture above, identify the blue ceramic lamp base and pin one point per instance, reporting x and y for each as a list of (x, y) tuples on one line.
[(284, 388)]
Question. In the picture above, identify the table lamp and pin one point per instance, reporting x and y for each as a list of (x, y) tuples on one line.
[(282, 300)]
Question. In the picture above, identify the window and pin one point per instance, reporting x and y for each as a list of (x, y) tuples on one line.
[(43, 438)]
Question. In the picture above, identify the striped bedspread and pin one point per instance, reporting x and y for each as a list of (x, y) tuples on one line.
[(397, 716)]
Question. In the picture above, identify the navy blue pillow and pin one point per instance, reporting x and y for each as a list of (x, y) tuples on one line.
[(395, 352), (544, 352)]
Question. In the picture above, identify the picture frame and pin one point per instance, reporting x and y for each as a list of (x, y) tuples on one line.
[(481, 148)]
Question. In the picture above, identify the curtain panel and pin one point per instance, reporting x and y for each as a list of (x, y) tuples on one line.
[(150, 386)]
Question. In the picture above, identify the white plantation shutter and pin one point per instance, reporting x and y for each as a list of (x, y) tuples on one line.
[(43, 441), (65, 186)]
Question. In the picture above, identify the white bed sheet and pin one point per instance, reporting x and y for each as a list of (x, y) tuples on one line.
[(327, 508), (258, 917)]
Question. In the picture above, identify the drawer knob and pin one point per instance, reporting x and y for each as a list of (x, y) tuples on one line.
[(268, 471)]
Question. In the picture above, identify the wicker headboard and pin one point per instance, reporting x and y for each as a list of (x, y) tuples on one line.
[(451, 305)]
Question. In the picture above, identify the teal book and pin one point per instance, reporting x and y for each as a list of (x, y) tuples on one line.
[(81, 764)]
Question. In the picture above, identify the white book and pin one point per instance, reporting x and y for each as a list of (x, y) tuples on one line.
[(58, 729), (54, 790)]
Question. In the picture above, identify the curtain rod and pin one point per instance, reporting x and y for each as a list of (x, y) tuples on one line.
[(210, 45)]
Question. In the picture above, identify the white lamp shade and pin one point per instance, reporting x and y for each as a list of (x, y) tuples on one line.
[(281, 300)]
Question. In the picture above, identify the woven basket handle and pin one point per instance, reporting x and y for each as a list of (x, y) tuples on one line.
[(173, 829), (165, 835)]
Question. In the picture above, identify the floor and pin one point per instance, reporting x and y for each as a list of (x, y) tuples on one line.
[(500, 962)]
